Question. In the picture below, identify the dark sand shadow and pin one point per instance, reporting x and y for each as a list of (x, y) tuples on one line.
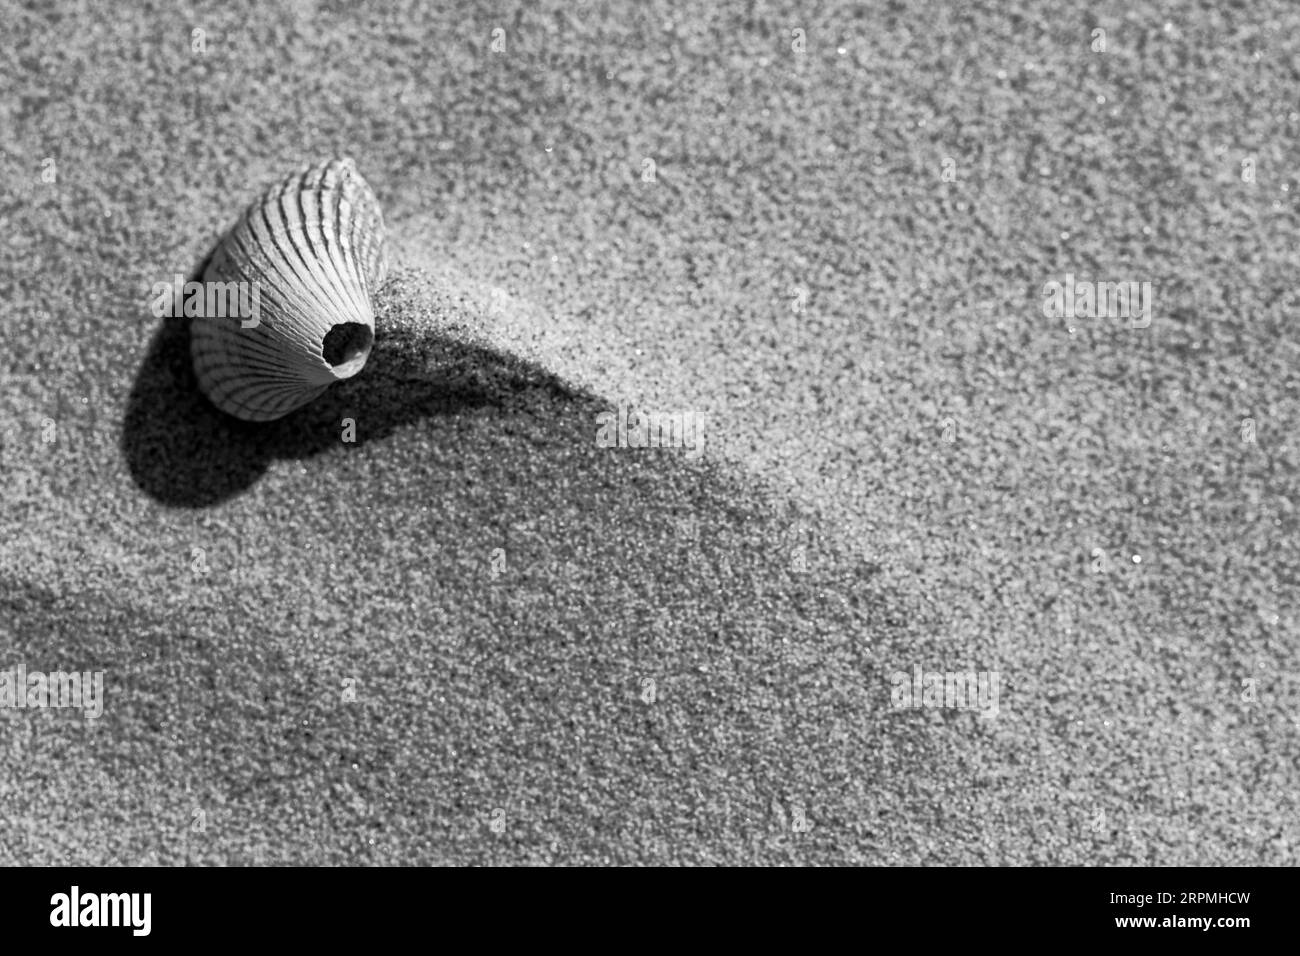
[(184, 452)]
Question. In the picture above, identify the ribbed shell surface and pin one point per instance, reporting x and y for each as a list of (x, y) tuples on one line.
[(314, 244)]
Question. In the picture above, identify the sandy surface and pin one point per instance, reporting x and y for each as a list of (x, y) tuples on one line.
[(973, 485)]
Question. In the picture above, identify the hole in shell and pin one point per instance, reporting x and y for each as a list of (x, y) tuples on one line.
[(346, 342)]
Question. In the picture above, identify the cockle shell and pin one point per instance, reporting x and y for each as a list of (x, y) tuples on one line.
[(314, 245)]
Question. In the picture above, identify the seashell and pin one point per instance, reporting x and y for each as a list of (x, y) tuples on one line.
[(313, 251)]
